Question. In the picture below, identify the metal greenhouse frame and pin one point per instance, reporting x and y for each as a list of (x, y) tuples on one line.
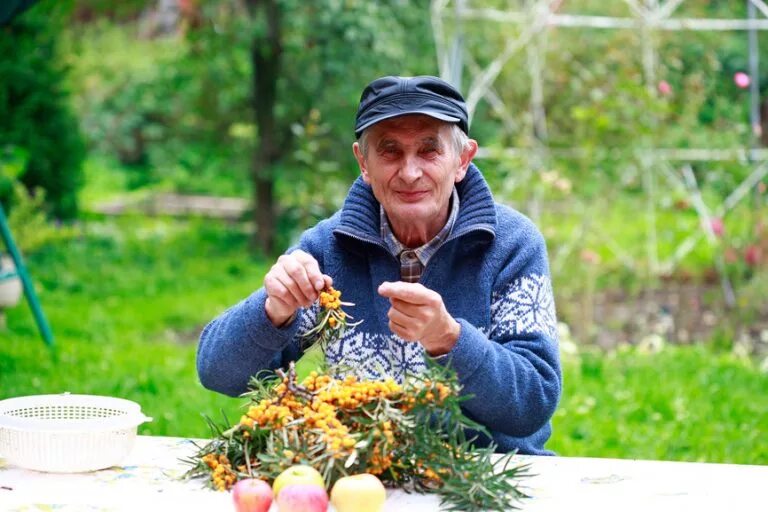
[(672, 164)]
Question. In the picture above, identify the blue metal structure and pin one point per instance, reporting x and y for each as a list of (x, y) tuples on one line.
[(21, 271)]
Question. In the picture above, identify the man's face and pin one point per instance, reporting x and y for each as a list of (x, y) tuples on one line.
[(412, 165)]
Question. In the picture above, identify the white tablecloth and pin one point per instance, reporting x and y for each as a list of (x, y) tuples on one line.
[(149, 479)]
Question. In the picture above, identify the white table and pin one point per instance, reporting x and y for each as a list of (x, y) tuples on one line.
[(149, 480)]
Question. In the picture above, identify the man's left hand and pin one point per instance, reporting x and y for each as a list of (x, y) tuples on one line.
[(419, 314)]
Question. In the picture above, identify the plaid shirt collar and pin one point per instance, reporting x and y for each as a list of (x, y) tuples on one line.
[(426, 251)]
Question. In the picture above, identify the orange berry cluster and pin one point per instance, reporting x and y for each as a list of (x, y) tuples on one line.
[(343, 426), (331, 298), (267, 413), (331, 320), (343, 416), (442, 390), (434, 477), (380, 461), (318, 413), (222, 475)]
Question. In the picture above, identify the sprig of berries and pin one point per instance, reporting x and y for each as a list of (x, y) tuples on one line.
[(331, 321)]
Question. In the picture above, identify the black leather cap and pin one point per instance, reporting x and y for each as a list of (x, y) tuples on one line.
[(393, 96)]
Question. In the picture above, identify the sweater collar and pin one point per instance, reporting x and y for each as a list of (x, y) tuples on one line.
[(360, 214)]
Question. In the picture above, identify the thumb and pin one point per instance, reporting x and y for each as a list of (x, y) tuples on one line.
[(387, 289)]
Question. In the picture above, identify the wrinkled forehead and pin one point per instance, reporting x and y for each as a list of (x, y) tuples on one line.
[(412, 126)]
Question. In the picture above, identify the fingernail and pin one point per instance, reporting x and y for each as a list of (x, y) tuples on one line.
[(319, 284)]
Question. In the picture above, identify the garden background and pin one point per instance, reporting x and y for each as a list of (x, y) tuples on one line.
[(155, 156)]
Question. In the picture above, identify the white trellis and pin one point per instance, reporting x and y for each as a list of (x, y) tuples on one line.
[(672, 164)]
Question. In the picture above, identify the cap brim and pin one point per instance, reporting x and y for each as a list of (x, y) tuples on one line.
[(430, 113)]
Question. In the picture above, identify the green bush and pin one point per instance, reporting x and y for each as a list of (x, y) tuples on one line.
[(159, 109), (34, 111)]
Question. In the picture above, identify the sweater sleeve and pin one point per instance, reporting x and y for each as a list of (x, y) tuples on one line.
[(513, 372), (242, 341)]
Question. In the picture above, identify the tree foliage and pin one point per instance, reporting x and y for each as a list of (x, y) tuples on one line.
[(182, 110), (35, 116), (308, 62)]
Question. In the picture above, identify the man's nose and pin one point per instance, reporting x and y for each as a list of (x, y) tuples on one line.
[(410, 171)]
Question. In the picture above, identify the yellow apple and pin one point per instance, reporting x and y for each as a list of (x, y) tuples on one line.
[(298, 474), (358, 493)]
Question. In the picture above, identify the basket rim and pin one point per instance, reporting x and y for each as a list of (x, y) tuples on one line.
[(131, 419)]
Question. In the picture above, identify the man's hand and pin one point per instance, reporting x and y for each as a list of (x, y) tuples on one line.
[(418, 314), (294, 281)]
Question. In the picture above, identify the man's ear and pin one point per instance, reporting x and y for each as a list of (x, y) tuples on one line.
[(361, 162), (465, 158)]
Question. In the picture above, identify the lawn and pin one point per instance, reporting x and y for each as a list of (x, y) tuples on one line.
[(126, 299), (683, 403)]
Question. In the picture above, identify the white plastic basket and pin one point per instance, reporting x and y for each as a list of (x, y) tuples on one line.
[(68, 433)]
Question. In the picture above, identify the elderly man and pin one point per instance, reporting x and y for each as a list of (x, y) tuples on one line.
[(435, 267)]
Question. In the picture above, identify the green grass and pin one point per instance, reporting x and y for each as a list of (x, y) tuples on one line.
[(127, 298), (684, 403), (126, 302)]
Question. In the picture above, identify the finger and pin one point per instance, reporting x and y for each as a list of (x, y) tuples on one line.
[(415, 293), (293, 293), (312, 268), (412, 293), (387, 289), (403, 325), (280, 303), (315, 276), (401, 330), (401, 318), (408, 308), (297, 273), (279, 295), (274, 287), (277, 310)]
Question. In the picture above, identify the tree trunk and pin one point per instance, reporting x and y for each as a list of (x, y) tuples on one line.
[(266, 53)]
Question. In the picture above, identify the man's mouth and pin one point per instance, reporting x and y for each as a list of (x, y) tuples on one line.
[(411, 196)]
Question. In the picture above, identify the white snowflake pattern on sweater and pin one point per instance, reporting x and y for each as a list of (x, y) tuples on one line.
[(370, 355), (526, 306), (375, 356)]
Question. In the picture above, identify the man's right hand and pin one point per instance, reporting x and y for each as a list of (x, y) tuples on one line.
[(294, 281)]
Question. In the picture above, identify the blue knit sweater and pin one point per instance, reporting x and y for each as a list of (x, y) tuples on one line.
[(493, 275)]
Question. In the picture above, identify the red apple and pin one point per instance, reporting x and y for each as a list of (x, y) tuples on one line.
[(302, 498), (252, 495)]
